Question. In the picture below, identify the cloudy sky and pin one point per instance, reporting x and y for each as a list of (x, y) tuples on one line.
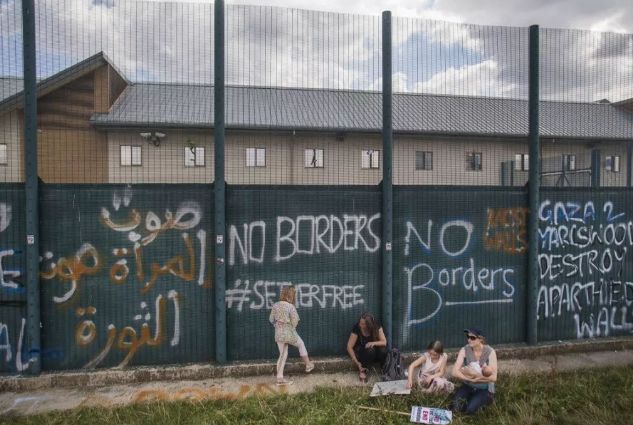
[(603, 15), (459, 47)]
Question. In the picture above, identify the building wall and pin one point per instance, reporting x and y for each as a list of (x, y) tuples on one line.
[(611, 178), (70, 150), (10, 129), (71, 156), (450, 160), (285, 164), (160, 164)]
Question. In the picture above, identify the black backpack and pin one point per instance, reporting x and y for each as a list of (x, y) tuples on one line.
[(392, 369)]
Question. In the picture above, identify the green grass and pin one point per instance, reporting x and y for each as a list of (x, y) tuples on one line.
[(603, 396)]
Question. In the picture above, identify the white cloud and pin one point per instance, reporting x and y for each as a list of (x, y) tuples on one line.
[(482, 79)]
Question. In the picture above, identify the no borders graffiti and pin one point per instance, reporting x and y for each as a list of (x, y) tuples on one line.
[(459, 260), (294, 238)]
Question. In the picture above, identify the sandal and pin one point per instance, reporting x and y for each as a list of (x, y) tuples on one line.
[(362, 375), (309, 367), (283, 382)]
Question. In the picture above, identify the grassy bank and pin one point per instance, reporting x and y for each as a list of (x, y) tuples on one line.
[(598, 396)]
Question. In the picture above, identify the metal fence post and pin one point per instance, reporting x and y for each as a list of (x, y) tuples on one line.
[(387, 183), (32, 197), (219, 186), (595, 168), (533, 187)]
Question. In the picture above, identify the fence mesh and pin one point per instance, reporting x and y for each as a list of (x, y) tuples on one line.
[(126, 167), (586, 86), (303, 113)]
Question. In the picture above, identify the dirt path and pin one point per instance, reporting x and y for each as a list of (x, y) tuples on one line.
[(62, 399)]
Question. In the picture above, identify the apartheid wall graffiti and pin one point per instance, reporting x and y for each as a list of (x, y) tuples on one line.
[(586, 271), (126, 275), (13, 355), (325, 241), (459, 261)]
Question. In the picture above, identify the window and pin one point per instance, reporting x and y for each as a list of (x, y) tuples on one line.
[(130, 155), (255, 157), (569, 162), (370, 158), (474, 161), (612, 163), (423, 160), (314, 158), (4, 156), (194, 156), (521, 162)]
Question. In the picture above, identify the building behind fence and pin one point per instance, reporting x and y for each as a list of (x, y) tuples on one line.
[(128, 200)]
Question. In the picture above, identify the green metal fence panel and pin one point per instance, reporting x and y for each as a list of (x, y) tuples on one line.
[(586, 273), (13, 352), (459, 261), (126, 275), (323, 240)]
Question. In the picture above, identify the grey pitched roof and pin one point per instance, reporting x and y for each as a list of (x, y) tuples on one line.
[(13, 98), (10, 86), (182, 106)]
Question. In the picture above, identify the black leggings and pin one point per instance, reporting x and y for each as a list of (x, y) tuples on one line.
[(367, 356)]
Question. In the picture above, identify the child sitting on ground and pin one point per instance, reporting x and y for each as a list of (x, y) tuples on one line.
[(431, 375)]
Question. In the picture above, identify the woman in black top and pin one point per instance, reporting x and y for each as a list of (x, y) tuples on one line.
[(366, 344)]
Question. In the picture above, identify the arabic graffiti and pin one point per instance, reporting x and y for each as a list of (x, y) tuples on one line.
[(133, 290)]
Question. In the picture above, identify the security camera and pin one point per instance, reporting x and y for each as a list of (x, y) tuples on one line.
[(153, 137)]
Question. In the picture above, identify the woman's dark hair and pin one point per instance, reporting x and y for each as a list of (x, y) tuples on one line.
[(372, 324), (436, 346)]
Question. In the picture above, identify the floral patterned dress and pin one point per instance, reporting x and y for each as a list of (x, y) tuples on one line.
[(285, 318)]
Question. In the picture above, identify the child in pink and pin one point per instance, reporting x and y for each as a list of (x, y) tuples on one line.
[(285, 318)]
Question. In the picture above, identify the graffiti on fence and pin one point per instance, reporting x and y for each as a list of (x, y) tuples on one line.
[(478, 284), (458, 269), (12, 353), (583, 268), (506, 230), (121, 292), (9, 276), (293, 238)]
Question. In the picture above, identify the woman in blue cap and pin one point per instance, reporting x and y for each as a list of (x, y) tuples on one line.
[(476, 367)]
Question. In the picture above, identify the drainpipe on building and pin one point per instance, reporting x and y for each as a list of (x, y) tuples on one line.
[(595, 168), (629, 163)]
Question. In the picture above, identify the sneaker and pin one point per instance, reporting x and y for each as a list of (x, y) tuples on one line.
[(283, 382), (309, 367)]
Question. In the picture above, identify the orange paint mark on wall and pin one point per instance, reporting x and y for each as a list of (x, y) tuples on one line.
[(506, 230)]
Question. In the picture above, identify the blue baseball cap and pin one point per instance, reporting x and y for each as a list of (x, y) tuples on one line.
[(475, 331)]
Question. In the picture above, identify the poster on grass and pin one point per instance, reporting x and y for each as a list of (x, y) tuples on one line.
[(431, 415)]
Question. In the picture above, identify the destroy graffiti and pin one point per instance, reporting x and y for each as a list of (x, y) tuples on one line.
[(585, 283)]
